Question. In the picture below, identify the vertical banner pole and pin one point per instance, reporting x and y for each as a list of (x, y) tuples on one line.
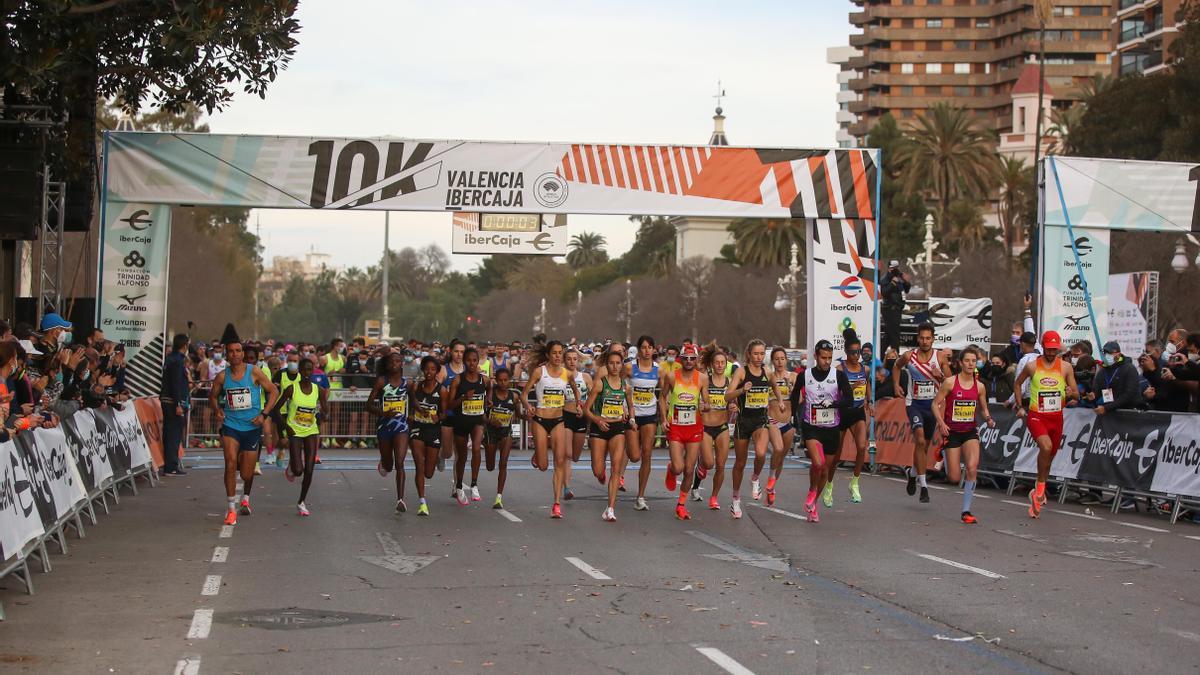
[(875, 328), (100, 238), (1087, 293)]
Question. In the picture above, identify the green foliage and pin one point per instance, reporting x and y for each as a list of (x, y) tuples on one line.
[(965, 226), (903, 212), (294, 318), (655, 243), (767, 242), (594, 278), (587, 249)]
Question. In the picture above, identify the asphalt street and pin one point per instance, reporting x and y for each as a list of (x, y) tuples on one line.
[(889, 585)]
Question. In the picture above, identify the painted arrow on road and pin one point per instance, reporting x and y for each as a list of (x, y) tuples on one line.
[(740, 555), (394, 559)]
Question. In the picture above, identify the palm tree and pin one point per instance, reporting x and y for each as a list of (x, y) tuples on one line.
[(1093, 86), (766, 242), (966, 227), (1015, 189), (1062, 121), (948, 155), (587, 250)]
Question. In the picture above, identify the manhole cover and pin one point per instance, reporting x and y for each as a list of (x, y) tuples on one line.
[(296, 618)]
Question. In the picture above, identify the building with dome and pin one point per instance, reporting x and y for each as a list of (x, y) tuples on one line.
[(703, 236)]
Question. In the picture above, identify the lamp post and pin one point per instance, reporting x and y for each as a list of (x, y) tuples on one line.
[(930, 245), (628, 310), (385, 330)]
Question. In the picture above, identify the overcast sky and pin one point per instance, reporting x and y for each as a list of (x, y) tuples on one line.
[(617, 71)]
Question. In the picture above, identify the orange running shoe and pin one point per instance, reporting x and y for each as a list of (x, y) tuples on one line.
[(231, 517), (681, 512), (621, 485), (672, 480), (245, 506), (968, 518), (713, 503), (556, 511), (771, 484), (1035, 504), (771, 495)]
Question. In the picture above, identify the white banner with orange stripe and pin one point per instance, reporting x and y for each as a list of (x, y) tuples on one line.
[(440, 175)]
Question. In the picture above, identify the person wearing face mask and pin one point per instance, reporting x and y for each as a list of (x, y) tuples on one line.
[(216, 364), (56, 332), (334, 362), (1176, 343), (1115, 386)]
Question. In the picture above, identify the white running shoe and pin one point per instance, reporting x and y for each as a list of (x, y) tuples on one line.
[(609, 515), (461, 495), (736, 509), (755, 489), (696, 496), (640, 505), (379, 468), (475, 493), (301, 509), (401, 507)]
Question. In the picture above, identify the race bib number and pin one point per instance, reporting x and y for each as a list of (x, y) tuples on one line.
[(398, 406), (305, 417), (612, 411), (425, 414), (756, 398), (716, 401), (553, 398), (1050, 402), (237, 399), (500, 418), (824, 417), (860, 392), (643, 397), (925, 390), (472, 406), (963, 411), (685, 416)]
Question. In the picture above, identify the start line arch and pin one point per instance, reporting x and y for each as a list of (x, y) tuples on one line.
[(837, 192)]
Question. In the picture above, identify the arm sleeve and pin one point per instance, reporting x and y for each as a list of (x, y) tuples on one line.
[(846, 400), (794, 397)]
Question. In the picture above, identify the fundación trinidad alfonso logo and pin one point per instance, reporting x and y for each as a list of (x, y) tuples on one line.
[(849, 288), (550, 190)]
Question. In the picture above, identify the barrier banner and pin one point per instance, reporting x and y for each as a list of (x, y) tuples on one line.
[(894, 438), (959, 322), (1178, 468), (91, 456), (132, 300), (133, 439), (150, 415), (841, 280), (20, 520), (110, 441), (57, 486)]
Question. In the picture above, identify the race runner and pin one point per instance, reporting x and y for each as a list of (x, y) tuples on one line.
[(549, 380), (827, 396), (926, 372), (503, 405), (714, 446), (1051, 386), (683, 399), (287, 377), (425, 434), (956, 407), (644, 379), (573, 415), (608, 409), (303, 407), (854, 420), (466, 399), (453, 367), (781, 432), (749, 395), (389, 401), (235, 399)]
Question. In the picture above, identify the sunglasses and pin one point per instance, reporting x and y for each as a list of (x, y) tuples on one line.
[(853, 352), (687, 358)]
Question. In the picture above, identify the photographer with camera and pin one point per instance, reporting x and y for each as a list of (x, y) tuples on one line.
[(892, 289)]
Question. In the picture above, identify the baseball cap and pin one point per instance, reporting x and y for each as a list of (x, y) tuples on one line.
[(29, 348), (1111, 347), (893, 264), (1051, 340), (53, 320)]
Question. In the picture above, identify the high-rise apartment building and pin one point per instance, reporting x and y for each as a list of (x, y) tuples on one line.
[(970, 53), (1142, 33), (840, 57)]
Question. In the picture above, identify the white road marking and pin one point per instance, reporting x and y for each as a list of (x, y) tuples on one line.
[(1185, 634), (1018, 535), (509, 515), (201, 624), (1015, 503), (389, 544), (220, 554), (588, 569), (1192, 536), (961, 566), (212, 585), (740, 555), (226, 531), (781, 512), (1141, 527), (1074, 513), (723, 660), (188, 665)]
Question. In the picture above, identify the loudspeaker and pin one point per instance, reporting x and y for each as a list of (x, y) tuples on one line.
[(21, 163)]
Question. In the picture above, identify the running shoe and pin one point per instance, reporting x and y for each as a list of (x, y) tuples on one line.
[(911, 486), (499, 503), (475, 493), (281, 459), (968, 518), (567, 494), (609, 515), (301, 509), (924, 495), (556, 511), (401, 507), (423, 509), (672, 480), (621, 485), (1035, 504), (379, 468), (827, 495), (287, 473), (258, 468), (461, 496), (755, 489), (770, 497), (316, 459), (245, 506), (640, 505), (810, 507), (855, 493), (714, 504), (231, 517), (736, 509), (681, 512), (696, 496), (813, 516), (771, 483)]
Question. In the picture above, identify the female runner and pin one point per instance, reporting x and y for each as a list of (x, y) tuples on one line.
[(389, 401), (453, 367), (955, 409), (644, 379), (608, 409), (573, 415), (826, 396), (854, 420), (714, 446), (549, 380), (503, 405), (300, 405), (467, 394), (781, 431), (425, 433), (749, 394)]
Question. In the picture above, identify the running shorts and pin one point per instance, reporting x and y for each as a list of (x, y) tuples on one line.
[(957, 438), (614, 429), (464, 425), (715, 432), (429, 434), (783, 427), (830, 438), (921, 417), (853, 416), (748, 424), (248, 441), (643, 420), (391, 428), (494, 435), (1046, 424), (575, 422), (685, 433)]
